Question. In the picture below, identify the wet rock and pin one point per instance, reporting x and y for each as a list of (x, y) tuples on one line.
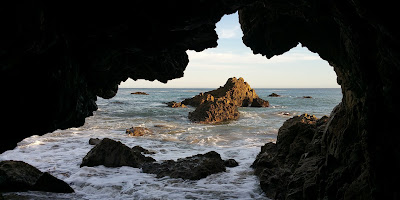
[(174, 104), (193, 168), (140, 93), (111, 153), (214, 112), (142, 150), (274, 95), (307, 97), (138, 131), (258, 102), (94, 141), (20, 176), (231, 163), (287, 169)]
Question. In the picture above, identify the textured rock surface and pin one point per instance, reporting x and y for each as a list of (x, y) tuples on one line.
[(111, 153), (174, 104), (237, 91), (358, 39), (221, 104), (193, 168), (20, 176)]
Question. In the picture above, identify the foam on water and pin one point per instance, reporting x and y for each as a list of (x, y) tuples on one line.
[(60, 153)]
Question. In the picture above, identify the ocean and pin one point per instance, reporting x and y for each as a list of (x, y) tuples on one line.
[(60, 153)]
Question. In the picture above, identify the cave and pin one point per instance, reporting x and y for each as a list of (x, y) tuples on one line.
[(57, 57)]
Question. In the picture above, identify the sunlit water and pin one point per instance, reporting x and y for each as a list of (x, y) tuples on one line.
[(174, 136)]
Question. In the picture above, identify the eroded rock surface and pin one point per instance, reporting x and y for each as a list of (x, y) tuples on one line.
[(138, 131), (20, 176)]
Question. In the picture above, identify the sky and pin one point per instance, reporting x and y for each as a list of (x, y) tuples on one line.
[(297, 68)]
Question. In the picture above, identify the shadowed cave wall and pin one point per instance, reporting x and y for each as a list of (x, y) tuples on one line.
[(56, 57)]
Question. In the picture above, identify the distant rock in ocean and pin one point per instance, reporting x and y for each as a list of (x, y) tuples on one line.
[(274, 95), (221, 104), (140, 93), (20, 176), (307, 97)]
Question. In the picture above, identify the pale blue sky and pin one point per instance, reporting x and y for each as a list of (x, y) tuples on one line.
[(297, 68)]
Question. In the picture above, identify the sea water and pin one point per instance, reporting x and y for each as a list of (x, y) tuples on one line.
[(60, 153)]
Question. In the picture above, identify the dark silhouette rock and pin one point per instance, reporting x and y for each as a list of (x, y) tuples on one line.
[(142, 150), (138, 131), (174, 104), (258, 102), (140, 93), (20, 176), (111, 153), (307, 97), (286, 169), (94, 141), (231, 163), (274, 95), (193, 168)]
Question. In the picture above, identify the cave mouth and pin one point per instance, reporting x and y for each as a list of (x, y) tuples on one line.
[(173, 136)]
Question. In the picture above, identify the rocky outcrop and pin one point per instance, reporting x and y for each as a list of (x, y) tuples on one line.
[(286, 169), (94, 141), (138, 131), (221, 104), (111, 153), (193, 168), (20, 176)]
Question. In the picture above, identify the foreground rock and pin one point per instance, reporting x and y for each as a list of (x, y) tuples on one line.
[(221, 104), (287, 169), (94, 141), (20, 176), (111, 153), (138, 131), (193, 168)]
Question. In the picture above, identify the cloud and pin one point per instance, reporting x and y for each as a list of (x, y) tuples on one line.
[(229, 33), (207, 58)]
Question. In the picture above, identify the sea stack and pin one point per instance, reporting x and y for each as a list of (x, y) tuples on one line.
[(221, 104)]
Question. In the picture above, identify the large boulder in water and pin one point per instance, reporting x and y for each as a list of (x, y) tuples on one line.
[(214, 112), (21, 176), (237, 91), (221, 104), (111, 153), (193, 168)]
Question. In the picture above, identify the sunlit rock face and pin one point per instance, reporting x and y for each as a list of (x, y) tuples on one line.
[(360, 143), (56, 57)]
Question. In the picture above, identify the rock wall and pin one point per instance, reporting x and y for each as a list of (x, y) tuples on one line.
[(360, 144)]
